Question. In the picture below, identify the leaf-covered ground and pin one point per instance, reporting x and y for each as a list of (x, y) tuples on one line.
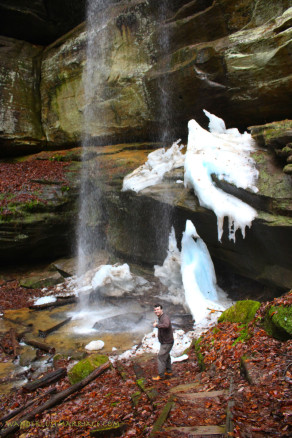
[(23, 183), (262, 408)]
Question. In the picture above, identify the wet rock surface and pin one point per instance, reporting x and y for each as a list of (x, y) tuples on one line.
[(119, 323)]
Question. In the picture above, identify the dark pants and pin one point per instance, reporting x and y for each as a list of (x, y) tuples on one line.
[(164, 362)]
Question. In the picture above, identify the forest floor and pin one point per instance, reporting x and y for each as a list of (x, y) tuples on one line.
[(232, 370)]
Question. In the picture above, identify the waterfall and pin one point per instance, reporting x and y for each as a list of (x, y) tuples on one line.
[(95, 71)]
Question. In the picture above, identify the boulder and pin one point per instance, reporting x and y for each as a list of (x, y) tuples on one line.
[(241, 311), (83, 368), (278, 322), (39, 281), (119, 323)]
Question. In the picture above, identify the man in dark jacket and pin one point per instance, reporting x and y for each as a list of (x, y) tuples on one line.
[(165, 337)]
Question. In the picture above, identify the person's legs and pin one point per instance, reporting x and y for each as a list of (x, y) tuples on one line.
[(164, 362), (168, 364)]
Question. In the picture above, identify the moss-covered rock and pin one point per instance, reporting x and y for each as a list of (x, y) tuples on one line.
[(241, 311), (278, 322), (83, 368), (45, 280), (200, 357)]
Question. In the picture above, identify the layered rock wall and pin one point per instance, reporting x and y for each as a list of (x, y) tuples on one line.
[(158, 68)]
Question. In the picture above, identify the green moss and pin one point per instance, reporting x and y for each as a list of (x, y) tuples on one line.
[(278, 322), (33, 206), (244, 334), (241, 311), (141, 383), (200, 357), (83, 368)]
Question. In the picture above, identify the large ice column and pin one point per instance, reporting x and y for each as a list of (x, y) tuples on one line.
[(198, 274), (225, 153)]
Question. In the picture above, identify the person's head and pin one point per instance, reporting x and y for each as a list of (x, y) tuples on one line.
[(158, 310)]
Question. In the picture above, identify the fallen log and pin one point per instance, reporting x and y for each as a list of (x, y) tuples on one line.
[(109, 431), (15, 344), (14, 378), (41, 345), (162, 417), (49, 378), (53, 401), (17, 411), (58, 303), (45, 333)]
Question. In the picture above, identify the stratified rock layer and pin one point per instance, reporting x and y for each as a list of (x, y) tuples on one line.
[(158, 68)]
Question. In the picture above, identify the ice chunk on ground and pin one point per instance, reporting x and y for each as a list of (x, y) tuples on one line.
[(45, 300), (117, 279)]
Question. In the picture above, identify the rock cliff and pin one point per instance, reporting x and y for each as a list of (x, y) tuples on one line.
[(159, 67)]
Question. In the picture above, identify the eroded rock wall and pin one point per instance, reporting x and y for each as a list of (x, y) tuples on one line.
[(20, 103), (159, 67)]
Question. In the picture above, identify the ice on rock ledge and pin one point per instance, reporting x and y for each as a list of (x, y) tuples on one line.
[(159, 162), (225, 153), (221, 152)]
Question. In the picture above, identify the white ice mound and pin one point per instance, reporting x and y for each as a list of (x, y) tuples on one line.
[(224, 153), (116, 279), (159, 162), (94, 345), (45, 300), (198, 275)]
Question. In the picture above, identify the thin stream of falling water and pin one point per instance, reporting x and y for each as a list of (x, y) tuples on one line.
[(90, 210), (163, 228)]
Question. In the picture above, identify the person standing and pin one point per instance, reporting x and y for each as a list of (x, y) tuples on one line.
[(165, 337)]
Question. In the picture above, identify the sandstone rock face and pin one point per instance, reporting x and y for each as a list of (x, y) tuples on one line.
[(117, 107), (228, 60), (158, 68), (20, 117)]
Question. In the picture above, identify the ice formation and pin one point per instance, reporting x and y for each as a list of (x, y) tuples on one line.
[(198, 275), (115, 279), (190, 278), (221, 152), (45, 300), (169, 273), (159, 162), (224, 153)]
